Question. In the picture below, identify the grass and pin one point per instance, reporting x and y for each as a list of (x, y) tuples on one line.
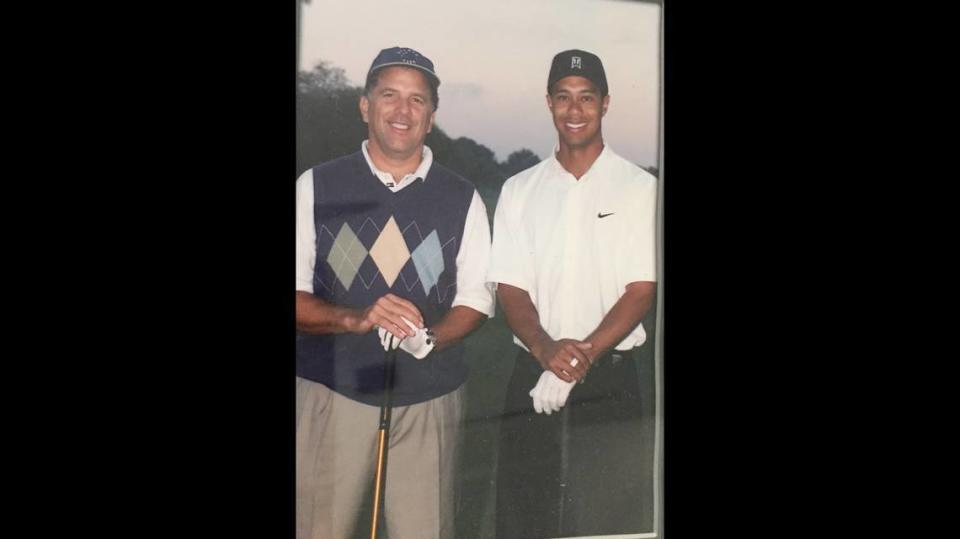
[(489, 354)]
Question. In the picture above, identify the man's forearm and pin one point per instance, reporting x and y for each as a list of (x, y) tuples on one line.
[(626, 313), (522, 317), (557, 355), (459, 322), (317, 317)]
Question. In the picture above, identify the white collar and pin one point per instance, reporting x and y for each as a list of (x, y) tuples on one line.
[(426, 161), (602, 157)]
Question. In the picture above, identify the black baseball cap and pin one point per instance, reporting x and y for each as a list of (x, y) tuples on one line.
[(403, 56), (579, 63)]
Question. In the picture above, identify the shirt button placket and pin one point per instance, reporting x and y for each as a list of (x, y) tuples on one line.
[(572, 261)]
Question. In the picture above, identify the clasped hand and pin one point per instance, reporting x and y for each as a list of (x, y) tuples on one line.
[(418, 346), (566, 358), (550, 394)]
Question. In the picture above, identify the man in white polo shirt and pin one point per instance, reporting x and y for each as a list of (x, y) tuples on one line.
[(574, 260)]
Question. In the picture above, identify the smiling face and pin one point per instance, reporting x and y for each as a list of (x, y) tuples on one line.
[(399, 113), (577, 108)]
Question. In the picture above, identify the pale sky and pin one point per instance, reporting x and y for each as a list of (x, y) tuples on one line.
[(493, 58)]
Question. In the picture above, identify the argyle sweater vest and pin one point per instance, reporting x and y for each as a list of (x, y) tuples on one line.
[(370, 242)]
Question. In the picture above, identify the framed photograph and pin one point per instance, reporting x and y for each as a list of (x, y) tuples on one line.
[(492, 122)]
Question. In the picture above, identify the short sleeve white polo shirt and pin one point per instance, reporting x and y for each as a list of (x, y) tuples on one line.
[(574, 245)]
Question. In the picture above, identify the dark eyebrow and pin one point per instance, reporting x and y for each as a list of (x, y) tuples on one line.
[(392, 89), (592, 91)]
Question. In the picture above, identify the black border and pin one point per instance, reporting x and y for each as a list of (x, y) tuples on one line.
[(219, 184)]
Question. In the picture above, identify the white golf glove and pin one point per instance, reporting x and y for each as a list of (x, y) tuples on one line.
[(386, 337), (417, 346), (550, 394)]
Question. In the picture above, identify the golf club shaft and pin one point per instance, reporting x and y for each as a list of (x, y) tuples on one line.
[(377, 488), (382, 440)]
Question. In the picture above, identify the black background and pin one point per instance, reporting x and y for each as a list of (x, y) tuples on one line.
[(764, 188)]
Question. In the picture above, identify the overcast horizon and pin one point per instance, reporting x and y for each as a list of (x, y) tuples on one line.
[(493, 87)]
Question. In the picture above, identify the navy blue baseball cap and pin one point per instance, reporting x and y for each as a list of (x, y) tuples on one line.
[(578, 63), (403, 56)]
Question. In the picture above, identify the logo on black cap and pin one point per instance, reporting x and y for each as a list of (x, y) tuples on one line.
[(578, 63)]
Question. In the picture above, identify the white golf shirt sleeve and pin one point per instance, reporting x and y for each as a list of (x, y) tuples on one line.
[(473, 261), (637, 259), (306, 232), (511, 261)]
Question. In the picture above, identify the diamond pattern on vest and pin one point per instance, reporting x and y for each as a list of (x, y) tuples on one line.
[(428, 258), (390, 251), (389, 256), (346, 255)]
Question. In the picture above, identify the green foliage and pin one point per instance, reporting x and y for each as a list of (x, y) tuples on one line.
[(471, 160), (328, 116), (518, 161)]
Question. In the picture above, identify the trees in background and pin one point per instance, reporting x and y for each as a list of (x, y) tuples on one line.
[(518, 161), (328, 117), (329, 126)]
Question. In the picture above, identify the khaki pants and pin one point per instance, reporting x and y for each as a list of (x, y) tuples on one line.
[(336, 459)]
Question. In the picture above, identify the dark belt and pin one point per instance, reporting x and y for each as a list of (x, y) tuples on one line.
[(614, 358)]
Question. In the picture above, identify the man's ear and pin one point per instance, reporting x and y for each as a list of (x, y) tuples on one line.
[(364, 108), (549, 102), (606, 103)]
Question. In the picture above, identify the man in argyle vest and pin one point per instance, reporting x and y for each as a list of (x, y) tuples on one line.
[(389, 243)]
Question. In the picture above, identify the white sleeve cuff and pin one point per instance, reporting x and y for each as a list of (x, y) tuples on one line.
[(515, 281), (308, 287), (484, 304)]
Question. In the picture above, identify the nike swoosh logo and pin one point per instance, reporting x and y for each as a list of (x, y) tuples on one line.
[(602, 215)]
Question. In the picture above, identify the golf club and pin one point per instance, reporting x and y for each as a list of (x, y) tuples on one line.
[(382, 447)]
